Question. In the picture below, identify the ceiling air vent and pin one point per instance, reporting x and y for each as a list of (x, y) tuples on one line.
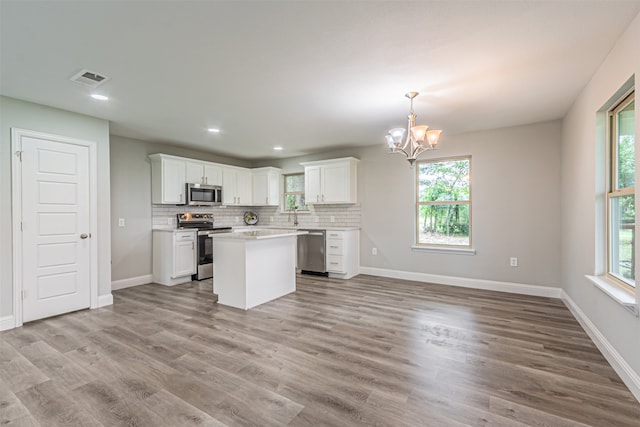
[(89, 78)]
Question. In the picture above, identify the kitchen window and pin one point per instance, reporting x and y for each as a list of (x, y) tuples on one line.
[(443, 208), (621, 192), (294, 192)]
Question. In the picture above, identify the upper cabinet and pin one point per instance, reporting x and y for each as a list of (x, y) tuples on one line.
[(204, 173), (266, 186), (168, 176), (240, 186), (236, 186), (331, 181)]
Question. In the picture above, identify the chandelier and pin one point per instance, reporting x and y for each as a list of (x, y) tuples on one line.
[(413, 140)]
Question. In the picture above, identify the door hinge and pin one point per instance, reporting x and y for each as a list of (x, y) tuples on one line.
[(19, 154)]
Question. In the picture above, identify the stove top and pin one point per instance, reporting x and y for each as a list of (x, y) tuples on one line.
[(200, 221)]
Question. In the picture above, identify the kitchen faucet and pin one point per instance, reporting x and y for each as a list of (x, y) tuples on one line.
[(295, 216)]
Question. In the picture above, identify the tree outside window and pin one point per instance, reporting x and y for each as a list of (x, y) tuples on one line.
[(443, 214), (621, 196), (294, 192)]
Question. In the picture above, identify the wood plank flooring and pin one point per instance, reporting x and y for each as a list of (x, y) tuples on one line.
[(366, 351)]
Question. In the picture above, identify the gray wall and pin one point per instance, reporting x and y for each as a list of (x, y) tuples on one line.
[(131, 200), (516, 205), (25, 115), (582, 208)]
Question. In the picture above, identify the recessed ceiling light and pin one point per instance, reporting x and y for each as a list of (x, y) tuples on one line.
[(99, 97), (278, 148), (214, 130)]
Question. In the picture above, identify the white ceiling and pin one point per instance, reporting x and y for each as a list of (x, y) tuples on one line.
[(307, 75)]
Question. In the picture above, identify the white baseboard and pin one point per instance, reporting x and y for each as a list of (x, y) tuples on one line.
[(7, 322), (628, 375), (131, 281), (105, 300), (464, 282)]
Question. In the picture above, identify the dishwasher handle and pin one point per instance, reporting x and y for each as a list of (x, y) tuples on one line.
[(315, 233)]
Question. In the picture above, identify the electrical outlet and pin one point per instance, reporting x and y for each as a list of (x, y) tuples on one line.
[(332, 218), (317, 219), (513, 261), (237, 219), (270, 219), (169, 221), (374, 251), (120, 222)]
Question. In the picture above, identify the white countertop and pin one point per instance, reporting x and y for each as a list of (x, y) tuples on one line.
[(172, 229), (259, 234), (300, 227)]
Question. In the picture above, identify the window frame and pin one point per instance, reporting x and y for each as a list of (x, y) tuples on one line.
[(612, 186), (418, 204), (302, 209)]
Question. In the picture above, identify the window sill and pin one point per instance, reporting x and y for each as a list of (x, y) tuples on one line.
[(624, 297), (454, 251)]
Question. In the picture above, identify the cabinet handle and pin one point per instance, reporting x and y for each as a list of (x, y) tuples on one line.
[(323, 197), (333, 263), (333, 247), (266, 200)]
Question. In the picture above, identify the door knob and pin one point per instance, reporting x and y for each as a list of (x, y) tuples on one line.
[(84, 236)]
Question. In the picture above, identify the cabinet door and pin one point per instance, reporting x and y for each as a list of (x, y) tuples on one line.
[(335, 183), (212, 174), (312, 184), (195, 173), (243, 187), (184, 257), (173, 180), (229, 186), (260, 189)]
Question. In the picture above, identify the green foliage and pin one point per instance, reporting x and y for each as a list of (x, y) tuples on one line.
[(446, 181)]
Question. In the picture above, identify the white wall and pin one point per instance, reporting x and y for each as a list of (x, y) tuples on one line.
[(582, 176), (516, 205), (25, 115)]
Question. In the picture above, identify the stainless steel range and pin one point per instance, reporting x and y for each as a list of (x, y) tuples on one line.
[(206, 230)]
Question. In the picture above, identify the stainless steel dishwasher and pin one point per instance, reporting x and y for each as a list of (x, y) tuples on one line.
[(311, 252)]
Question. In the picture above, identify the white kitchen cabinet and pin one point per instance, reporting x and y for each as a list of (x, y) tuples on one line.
[(236, 186), (343, 253), (266, 186), (168, 176), (203, 173), (331, 181), (174, 256)]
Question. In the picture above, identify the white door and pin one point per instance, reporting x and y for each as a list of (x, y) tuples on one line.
[(56, 249)]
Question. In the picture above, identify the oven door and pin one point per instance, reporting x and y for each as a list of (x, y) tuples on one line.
[(205, 257)]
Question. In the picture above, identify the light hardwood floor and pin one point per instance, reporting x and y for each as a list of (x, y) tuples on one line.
[(366, 351)]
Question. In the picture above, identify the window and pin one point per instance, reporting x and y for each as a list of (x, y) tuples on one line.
[(294, 192), (443, 212), (621, 192)]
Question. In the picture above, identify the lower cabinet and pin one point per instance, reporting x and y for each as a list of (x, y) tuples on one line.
[(174, 256), (343, 253)]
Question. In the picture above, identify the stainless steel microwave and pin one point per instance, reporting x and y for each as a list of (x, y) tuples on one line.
[(203, 195)]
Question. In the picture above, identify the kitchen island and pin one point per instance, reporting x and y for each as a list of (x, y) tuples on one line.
[(254, 267)]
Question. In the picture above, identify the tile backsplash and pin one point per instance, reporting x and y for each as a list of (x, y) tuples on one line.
[(338, 215)]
